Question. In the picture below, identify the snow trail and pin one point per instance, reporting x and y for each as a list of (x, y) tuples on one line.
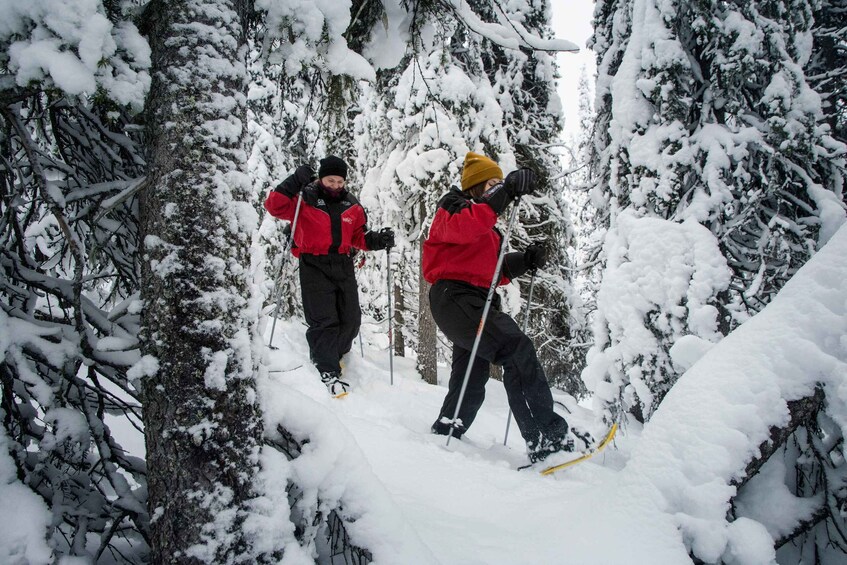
[(647, 499), (467, 503)]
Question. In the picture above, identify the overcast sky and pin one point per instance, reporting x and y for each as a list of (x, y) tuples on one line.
[(572, 21)]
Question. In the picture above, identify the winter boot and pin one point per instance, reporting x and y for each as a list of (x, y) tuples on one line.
[(336, 387), (545, 447), (442, 427)]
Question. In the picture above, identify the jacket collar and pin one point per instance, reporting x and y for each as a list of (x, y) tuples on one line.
[(327, 194)]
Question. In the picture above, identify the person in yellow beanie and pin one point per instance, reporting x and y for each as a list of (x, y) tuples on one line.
[(460, 255), (479, 169)]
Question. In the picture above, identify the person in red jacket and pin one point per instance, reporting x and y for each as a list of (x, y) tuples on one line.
[(459, 258), (330, 225)]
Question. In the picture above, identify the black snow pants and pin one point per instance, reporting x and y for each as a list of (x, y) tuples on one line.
[(457, 308), (331, 307)]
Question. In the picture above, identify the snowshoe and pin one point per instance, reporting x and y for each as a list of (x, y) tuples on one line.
[(557, 463)]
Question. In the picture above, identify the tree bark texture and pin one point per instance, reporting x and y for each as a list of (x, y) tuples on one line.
[(427, 364), (399, 314), (802, 411), (202, 424)]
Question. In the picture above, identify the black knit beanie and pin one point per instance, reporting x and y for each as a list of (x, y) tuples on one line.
[(332, 165)]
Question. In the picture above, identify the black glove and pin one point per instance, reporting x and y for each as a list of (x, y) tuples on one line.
[(520, 182), (535, 256), (292, 185), (386, 236), (517, 184), (303, 175), (497, 197), (382, 239)]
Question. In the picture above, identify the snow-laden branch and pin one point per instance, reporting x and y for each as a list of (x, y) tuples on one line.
[(712, 424), (513, 38)]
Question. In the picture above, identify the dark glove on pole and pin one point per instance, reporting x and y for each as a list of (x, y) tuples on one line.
[(382, 239), (520, 183), (535, 257), (386, 236), (295, 182), (517, 184)]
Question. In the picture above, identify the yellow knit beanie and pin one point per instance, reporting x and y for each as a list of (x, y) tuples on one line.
[(479, 168)]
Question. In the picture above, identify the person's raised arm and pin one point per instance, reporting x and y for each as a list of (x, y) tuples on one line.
[(282, 200)]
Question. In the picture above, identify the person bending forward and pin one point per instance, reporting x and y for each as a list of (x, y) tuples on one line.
[(459, 258)]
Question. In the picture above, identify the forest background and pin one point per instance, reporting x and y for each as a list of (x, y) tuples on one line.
[(140, 137)]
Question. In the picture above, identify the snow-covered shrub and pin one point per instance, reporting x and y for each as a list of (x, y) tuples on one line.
[(662, 282)]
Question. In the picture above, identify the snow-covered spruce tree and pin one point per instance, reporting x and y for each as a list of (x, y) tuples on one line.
[(612, 24), (524, 80), (202, 424), (584, 275), (826, 69), (69, 309), (412, 107), (692, 137), (432, 107)]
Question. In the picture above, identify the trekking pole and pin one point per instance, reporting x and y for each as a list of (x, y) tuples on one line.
[(525, 326), (390, 319), (282, 262), (491, 289), (361, 341)]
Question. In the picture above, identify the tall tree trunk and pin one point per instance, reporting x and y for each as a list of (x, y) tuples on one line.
[(399, 315), (427, 354), (202, 424)]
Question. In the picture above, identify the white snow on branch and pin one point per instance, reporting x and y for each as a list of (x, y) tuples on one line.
[(74, 46), (661, 283), (317, 28), (513, 35), (25, 517), (711, 424)]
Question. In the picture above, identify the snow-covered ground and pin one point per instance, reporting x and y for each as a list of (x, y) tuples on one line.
[(466, 502), (648, 499)]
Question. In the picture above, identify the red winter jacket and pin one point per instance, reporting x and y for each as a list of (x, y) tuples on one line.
[(325, 225), (462, 243)]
